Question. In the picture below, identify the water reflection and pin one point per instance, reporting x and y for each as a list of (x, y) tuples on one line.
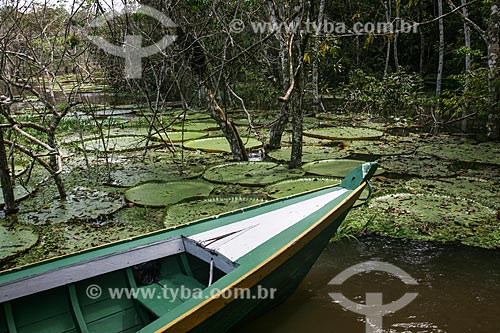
[(459, 290)]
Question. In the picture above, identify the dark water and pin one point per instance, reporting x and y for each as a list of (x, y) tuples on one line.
[(458, 287)]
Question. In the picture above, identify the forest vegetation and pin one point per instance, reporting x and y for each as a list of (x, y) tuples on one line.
[(271, 64)]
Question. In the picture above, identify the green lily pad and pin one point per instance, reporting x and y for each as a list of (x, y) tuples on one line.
[(309, 153), (112, 113), (250, 173), (468, 151), (289, 187), (186, 212), (15, 240), (195, 126), (334, 168), (118, 144), (82, 204), (198, 116), (166, 193), (179, 136), (421, 166), (20, 192), (219, 144), (345, 133)]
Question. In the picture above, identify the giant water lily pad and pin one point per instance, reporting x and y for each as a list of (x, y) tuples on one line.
[(219, 144), (118, 144), (422, 166), (465, 151), (289, 187), (435, 216), (250, 173), (179, 136), (185, 212), (195, 126), (334, 168), (81, 204), (344, 133), (112, 113), (16, 239), (156, 194), (309, 153)]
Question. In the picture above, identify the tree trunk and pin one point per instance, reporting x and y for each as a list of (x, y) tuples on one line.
[(277, 128), (54, 165), (439, 78), (228, 128), (493, 126), (396, 34), (317, 103), (8, 192), (388, 50), (468, 64), (297, 125)]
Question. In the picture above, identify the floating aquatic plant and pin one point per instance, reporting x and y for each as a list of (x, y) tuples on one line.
[(334, 168), (250, 173), (20, 192), (179, 136), (219, 144), (294, 186), (465, 151), (428, 216), (82, 203), (185, 212), (195, 126), (345, 133), (417, 165), (309, 153), (118, 144), (16, 239), (161, 194)]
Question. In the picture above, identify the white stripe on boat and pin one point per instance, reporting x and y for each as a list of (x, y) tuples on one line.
[(257, 230)]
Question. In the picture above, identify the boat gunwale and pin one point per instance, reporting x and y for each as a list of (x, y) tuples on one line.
[(171, 246), (255, 275)]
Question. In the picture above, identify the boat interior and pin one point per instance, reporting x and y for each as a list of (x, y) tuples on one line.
[(84, 296)]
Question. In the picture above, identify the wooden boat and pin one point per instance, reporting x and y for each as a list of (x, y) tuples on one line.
[(206, 276)]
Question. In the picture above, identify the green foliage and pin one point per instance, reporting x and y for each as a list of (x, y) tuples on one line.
[(473, 99), (399, 93)]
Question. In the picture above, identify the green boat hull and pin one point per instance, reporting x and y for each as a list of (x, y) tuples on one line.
[(182, 279)]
